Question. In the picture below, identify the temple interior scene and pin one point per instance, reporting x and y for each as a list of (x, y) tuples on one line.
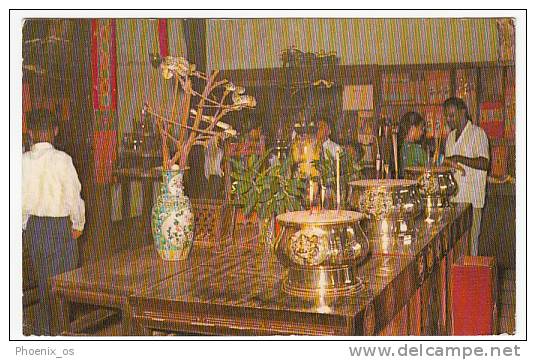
[(268, 176)]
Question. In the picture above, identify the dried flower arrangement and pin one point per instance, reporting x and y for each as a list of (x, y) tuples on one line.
[(194, 127)]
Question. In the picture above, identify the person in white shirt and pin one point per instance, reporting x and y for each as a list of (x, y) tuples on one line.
[(467, 150), (322, 137), (53, 213)]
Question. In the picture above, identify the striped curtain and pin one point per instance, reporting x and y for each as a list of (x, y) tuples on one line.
[(137, 81)]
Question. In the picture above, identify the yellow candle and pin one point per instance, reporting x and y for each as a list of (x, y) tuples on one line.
[(338, 179), (311, 194)]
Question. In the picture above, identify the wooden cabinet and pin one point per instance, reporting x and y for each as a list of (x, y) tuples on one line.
[(414, 89), (487, 88)]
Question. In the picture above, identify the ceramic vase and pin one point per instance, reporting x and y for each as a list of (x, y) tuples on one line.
[(172, 220)]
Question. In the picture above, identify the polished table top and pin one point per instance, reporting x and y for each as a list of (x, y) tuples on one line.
[(251, 280), (128, 271), (246, 283)]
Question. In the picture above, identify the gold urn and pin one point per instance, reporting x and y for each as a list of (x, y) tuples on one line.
[(321, 250), (436, 184), (391, 206)]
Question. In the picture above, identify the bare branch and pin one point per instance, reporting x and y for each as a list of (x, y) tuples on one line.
[(217, 116), (176, 157), (205, 98), (165, 154), (199, 115), (175, 95), (185, 108), (165, 120), (194, 133)]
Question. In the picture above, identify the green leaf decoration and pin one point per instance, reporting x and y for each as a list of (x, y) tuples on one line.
[(237, 166), (250, 203), (266, 194)]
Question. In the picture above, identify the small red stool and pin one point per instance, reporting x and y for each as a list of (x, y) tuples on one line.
[(474, 296)]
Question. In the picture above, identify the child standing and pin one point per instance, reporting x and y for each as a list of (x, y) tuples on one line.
[(53, 213)]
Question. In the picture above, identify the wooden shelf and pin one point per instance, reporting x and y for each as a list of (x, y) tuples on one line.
[(507, 142), (411, 104)]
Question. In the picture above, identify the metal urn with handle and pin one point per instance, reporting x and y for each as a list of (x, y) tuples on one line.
[(321, 251), (436, 184), (391, 207)]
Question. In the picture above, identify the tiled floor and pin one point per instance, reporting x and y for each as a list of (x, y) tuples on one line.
[(507, 301)]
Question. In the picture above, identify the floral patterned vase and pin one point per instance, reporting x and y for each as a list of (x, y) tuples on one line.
[(172, 220)]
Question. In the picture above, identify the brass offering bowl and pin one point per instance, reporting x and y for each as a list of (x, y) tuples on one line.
[(391, 206), (321, 250), (436, 184)]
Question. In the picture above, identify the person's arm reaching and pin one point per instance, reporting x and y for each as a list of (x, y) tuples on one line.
[(478, 163), (481, 151)]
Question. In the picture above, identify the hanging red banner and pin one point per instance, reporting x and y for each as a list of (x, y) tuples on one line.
[(104, 143), (163, 37), (104, 64), (104, 91)]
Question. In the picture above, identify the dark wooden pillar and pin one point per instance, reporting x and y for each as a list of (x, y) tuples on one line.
[(80, 142), (195, 35), (99, 103)]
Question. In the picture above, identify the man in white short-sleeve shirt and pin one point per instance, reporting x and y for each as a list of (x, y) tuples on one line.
[(467, 150)]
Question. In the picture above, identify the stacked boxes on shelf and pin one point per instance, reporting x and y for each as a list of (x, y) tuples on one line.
[(497, 115), (491, 119), (491, 102), (429, 87), (488, 91), (396, 88), (510, 104), (438, 86), (466, 89)]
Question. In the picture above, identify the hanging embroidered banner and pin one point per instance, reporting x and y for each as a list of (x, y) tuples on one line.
[(104, 86), (104, 62), (163, 37)]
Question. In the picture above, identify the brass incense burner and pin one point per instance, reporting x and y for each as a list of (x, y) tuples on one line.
[(391, 206), (436, 184), (321, 249)]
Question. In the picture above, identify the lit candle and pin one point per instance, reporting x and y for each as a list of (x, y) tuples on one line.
[(323, 196), (338, 178), (378, 165), (395, 152), (311, 194)]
